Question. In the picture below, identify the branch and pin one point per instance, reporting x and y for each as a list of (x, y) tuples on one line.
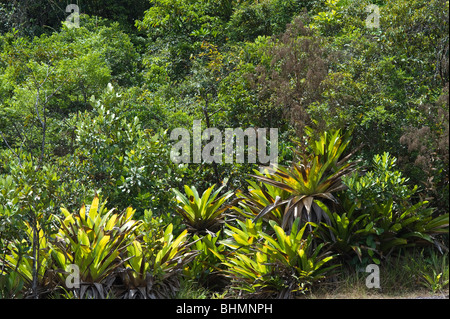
[(43, 119), (18, 133), (7, 144)]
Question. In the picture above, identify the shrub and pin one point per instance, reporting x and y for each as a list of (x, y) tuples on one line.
[(36, 278), (129, 163), (391, 217)]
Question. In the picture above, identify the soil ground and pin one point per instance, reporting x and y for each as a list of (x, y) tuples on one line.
[(419, 294)]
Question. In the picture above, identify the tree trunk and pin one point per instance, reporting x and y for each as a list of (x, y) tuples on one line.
[(35, 272), (208, 125)]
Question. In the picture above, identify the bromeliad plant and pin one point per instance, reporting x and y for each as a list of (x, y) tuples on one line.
[(95, 240), (347, 230), (260, 196), (400, 227), (283, 265), (253, 274), (243, 238), (206, 268), (203, 214), (153, 265), (316, 177)]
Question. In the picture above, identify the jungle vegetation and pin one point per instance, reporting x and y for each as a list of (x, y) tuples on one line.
[(87, 181)]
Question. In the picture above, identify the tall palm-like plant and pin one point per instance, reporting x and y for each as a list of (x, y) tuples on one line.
[(314, 178)]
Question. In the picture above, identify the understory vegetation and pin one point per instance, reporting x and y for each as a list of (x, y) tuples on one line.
[(93, 206)]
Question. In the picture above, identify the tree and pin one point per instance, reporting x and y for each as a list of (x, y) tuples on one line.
[(292, 80)]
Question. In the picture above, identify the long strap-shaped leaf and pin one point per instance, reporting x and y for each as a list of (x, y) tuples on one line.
[(278, 202)]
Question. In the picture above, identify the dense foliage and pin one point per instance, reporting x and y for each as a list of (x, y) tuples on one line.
[(86, 113)]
